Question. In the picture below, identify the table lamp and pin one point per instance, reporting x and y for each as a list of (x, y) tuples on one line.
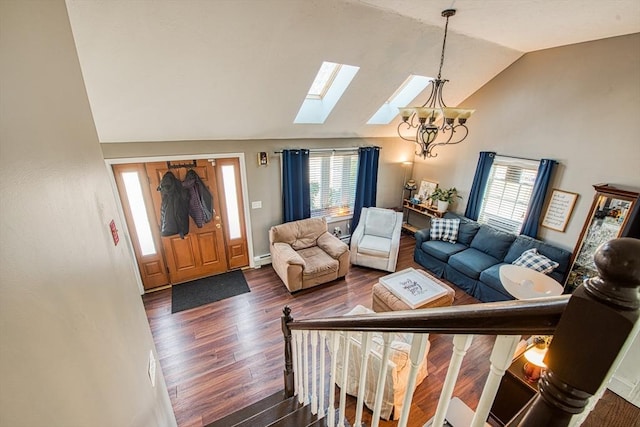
[(533, 367)]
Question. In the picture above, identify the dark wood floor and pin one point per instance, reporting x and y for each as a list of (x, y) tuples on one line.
[(221, 357)]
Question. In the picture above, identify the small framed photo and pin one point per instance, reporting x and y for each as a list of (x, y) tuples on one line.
[(263, 158), (426, 189)]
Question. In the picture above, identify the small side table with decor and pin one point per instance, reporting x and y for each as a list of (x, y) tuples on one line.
[(514, 392), (520, 382)]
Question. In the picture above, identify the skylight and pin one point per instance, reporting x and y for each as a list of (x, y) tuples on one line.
[(327, 88), (326, 74), (406, 93)]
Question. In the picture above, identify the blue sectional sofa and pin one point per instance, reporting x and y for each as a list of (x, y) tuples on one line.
[(473, 262)]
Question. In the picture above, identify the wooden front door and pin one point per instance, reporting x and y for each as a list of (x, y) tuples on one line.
[(202, 251)]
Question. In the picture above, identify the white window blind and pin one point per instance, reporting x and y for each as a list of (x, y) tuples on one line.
[(332, 178), (508, 192)]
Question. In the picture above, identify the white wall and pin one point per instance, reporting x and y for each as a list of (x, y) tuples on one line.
[(577, 104), (75, 339)]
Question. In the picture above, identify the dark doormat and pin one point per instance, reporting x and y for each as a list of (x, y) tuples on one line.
[(209, 289)]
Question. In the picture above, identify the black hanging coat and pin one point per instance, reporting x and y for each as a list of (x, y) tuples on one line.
[(200, 199), (174, 211)]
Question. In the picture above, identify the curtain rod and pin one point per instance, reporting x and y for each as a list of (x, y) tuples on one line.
[(330, 149), (516, 157)]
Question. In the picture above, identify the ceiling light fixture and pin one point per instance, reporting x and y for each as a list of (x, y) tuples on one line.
[(423, 118)]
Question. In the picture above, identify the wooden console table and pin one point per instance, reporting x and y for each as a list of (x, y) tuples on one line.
[(420, 209), (513, 394)]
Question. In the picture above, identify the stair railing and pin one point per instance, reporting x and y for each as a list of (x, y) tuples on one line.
[(600, 314)]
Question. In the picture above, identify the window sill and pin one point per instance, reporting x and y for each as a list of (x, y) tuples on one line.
[(332, 219)]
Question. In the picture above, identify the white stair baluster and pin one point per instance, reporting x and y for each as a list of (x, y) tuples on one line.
[(382, 377), (322, 349), (301, 389), (305, 334), (416, 355), (331, 410), (461, 344), (294, 357), (366, 347), (345, 376), (314, 372), (501, 358)]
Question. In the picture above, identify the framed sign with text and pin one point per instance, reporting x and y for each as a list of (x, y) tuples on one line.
[(559, 209)]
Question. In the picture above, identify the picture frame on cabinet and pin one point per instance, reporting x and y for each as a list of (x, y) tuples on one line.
[(426, 189)]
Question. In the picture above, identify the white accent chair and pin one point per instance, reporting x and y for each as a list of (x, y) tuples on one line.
[(376, 240)]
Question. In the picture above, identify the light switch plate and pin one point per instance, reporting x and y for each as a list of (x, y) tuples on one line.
[(256, 205)]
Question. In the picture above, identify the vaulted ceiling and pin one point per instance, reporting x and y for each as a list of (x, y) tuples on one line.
[(239, 69)]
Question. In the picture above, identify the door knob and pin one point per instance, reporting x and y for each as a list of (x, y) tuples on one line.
[(217, 218), (218, 226)]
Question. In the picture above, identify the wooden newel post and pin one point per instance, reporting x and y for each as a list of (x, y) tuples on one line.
[(288, 359), (592, 330)]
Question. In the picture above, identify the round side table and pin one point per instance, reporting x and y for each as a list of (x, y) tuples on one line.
[(525, 283)]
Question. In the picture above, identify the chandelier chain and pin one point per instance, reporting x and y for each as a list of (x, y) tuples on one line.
[(444, 43)]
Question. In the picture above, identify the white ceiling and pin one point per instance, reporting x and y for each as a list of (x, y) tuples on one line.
[(161, 70)]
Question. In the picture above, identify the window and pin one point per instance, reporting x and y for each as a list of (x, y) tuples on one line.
[(508, 192), (400, 98), (326, 74), (326, 90), (133, 191), (332, 181), (231, 201)]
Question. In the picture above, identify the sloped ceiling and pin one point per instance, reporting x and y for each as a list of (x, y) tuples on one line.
[(239, 69)]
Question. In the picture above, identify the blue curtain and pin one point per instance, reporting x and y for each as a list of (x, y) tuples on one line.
[(296, 196), (531, 220), (367, 184), (479, 184)]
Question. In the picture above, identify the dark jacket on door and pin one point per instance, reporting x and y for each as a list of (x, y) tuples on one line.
[(200, 199), (174, 210)]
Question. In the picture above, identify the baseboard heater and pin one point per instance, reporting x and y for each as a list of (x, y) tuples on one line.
[(261, 260)]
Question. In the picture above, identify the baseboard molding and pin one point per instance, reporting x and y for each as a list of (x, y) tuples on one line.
[(627, 390)]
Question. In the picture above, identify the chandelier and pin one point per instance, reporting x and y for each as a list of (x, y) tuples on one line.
[(423, 119)]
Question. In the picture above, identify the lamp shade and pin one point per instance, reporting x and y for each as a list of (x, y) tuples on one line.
[(536, 355)]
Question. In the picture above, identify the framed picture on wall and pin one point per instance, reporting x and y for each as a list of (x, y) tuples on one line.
[(559, 210), (426, 189)]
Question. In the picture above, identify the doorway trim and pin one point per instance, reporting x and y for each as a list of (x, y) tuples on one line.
[(210, 157)]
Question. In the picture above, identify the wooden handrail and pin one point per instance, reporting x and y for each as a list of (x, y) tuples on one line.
[(500, 318)]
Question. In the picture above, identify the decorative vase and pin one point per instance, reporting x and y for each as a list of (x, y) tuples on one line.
[(442, 206)]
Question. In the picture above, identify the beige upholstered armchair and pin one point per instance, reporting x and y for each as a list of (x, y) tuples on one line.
[(376, 240), (305, 254)]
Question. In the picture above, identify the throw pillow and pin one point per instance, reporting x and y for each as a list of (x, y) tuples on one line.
[(532, 259), (444, 229)]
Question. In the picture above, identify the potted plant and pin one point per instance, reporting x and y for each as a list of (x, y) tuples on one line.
[(444, 197)]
